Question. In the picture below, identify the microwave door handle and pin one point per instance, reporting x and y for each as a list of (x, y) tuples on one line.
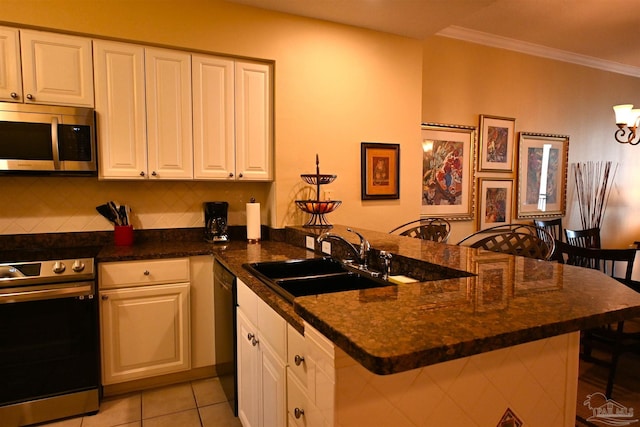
[(54, 143)]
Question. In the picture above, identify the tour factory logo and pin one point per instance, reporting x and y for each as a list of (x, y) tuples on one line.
[(608, 411)]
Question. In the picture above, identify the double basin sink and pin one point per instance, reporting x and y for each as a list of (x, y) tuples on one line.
[(312, 276)]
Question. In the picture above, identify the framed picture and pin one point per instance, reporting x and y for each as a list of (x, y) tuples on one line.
[(380, 170), (542, 175), (497, 142), (495, 202), (447, 171)]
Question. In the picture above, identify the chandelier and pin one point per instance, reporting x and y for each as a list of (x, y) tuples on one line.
[(627, 119)]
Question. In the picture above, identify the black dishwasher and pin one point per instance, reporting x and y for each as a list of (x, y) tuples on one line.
[(225, 302)]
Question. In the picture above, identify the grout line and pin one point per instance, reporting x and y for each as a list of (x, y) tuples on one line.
[(195, 399)]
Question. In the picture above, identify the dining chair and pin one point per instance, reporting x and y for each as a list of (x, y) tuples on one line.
[(612, 339), (589, 238), (434, 229), (551, 226), (515, 239)]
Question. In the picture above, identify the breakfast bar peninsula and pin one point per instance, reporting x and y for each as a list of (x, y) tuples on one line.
[(496, 344)]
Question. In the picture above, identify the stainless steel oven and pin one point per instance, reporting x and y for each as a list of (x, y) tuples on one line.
[(49, 359)]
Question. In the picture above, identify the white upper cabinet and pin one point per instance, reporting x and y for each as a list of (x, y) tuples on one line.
[(254, 130), (120, 109), (56, 69), (169, 116), (143, 108), (213, 117), (232, 119), (10, 74)]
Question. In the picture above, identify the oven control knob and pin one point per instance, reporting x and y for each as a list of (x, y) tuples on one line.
[(58, 267), (78, 266)]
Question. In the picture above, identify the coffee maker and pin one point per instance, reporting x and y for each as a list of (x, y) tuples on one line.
[(215, 222)]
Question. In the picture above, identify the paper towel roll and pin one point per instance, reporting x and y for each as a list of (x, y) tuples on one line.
[(253, 222)]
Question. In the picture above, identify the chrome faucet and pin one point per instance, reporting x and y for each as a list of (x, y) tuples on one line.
[(362, 253)]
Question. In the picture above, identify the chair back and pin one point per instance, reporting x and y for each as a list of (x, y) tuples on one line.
[(515, 239), (434, 229), (551, 226), (589, 238), (605, 260)]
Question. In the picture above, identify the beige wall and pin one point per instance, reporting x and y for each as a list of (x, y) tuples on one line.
[(463, 80), (335, 86)]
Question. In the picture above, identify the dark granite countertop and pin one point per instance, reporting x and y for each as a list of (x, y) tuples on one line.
[(507, 301)]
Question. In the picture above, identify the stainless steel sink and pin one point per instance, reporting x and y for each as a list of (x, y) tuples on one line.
[(295, 278)]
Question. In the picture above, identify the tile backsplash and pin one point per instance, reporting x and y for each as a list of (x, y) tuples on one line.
[(67, 204)]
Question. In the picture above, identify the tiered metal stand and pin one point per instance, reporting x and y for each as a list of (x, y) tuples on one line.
[(318, 208)]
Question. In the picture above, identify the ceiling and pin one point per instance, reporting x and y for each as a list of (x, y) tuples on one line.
[(594, 32)]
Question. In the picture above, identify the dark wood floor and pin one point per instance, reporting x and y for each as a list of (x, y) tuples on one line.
[(593, 378)]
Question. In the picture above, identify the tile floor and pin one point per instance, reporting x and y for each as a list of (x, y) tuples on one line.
[(199, 403)]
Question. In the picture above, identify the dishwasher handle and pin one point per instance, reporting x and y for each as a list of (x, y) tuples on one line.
[(223, 277)]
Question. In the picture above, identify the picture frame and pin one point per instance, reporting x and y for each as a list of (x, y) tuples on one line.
[(448, 168), (380, 170), (495, 203), (552, 201), (497, 144)]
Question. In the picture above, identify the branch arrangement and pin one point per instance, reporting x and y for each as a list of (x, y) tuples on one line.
[(593, 186)]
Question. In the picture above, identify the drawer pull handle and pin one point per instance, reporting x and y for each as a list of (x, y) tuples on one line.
[(146, 272), (105, 297), (298, 413), (298, 360), (250, 336), (255, 342)]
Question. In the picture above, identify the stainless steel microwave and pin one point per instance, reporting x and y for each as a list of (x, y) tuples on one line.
[(48, 139)]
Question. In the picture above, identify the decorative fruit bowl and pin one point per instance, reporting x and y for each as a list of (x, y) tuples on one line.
[(318, 179), (317, 209)]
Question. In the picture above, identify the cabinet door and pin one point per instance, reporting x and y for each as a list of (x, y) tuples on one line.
[(120, 109), (249, 380), (254, 133), (169, 116), (10, 74), (213, 118), (56, 68), (145, 332), (273, 395)]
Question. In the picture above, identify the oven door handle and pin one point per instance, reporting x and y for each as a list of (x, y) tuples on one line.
[(37, 293)]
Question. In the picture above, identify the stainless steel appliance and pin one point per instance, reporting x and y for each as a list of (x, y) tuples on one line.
[(47, 139), (49, 351), (215, 221), (225, 331)]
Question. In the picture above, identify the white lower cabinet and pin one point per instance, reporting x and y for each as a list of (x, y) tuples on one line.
[(261, 353), (144, 319)]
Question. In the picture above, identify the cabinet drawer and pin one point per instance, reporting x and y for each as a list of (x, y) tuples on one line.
[(144, 272), (295, 355), (298, 407)]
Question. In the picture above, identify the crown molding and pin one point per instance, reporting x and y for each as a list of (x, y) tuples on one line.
[(492, 40)]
